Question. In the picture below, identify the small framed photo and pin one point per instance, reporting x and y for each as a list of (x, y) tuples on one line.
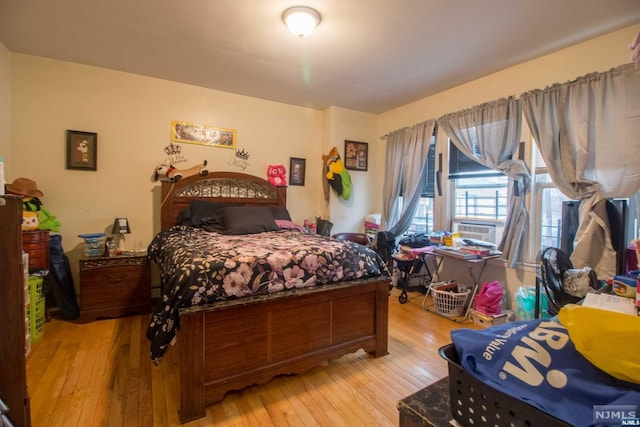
[(82, 150), (297, 169), (356, 155)]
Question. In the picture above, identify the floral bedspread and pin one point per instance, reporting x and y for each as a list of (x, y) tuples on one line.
[(197, 267)]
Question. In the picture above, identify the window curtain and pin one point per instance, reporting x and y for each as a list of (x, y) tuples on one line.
[(588, 133), (406, 164), (490, 134)]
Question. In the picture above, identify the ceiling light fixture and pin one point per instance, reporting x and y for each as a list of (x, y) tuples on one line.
[(301, 20)]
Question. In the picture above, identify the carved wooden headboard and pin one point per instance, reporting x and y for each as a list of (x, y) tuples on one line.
[(220, 187)]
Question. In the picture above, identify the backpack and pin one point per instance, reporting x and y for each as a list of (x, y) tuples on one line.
[(416, 241), (385, 245)]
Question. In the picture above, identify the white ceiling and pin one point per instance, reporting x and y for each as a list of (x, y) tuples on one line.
[(366, 55)]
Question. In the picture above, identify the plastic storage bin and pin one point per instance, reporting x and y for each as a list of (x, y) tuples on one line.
[(94, 244), (475, 403), (36, 305), (482, 319)]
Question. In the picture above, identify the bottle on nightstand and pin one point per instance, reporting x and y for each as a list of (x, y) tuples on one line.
[(110, 246)]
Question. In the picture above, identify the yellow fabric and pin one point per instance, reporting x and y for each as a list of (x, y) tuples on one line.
[(607, 339)]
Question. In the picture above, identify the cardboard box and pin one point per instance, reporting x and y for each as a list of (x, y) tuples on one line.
[(479, 318)]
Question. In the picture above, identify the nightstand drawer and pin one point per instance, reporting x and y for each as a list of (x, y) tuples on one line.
[(111, 287), (36, 244)]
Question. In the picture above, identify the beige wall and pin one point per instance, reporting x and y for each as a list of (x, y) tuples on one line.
[(5, 107), (132, 116), (340, 125), (599, 54)]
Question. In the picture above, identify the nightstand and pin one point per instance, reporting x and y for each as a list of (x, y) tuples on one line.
[(114, 286)]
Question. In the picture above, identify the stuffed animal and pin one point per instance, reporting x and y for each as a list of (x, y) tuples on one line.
[(47, 220), (37, 217), (171, 174), (34, 215), (277, 175), (337, 175), (30, 221)]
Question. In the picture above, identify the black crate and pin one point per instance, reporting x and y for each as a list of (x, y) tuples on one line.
[(477, 404)]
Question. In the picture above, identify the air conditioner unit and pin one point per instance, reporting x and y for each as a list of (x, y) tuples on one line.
[(484, 232)]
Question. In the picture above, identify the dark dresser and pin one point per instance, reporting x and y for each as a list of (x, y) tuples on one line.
[(36, 244), (13, 366)]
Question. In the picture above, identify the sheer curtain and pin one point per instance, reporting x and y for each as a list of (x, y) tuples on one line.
[(406, 163), (588, 133), (490, 134)]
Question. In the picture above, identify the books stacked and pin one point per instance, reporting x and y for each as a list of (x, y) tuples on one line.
[(478, 247), (372, 225), (468, 251), (476, 250), (437, 237), (453, 252)]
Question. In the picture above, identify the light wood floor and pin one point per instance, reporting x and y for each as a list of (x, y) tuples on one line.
[(99, 374)]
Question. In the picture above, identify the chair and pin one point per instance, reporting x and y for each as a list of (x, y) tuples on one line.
[(359, 238)]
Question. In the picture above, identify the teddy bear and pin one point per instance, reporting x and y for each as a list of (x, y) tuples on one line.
[(277, 175)]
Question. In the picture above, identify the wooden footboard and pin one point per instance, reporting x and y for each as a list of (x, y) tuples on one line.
[(234, 345)]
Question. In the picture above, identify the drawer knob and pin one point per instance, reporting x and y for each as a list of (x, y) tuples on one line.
[(116, 278)]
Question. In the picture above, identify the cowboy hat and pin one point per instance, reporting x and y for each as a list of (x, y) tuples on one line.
[(24, 187)]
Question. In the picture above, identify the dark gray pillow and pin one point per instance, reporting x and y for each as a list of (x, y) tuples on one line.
[(247, 219), (200, 213), (280, 212)]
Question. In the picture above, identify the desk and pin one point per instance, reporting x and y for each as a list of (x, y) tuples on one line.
[(470, 263)]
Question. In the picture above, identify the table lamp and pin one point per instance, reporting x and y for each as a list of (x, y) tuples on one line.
[(121, 226)]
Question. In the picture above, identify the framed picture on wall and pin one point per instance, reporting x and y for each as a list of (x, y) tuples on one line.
[(193, 133), (82, 150), (356, 155), (297, 170)]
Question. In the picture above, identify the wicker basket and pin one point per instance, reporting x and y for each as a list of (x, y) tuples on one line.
[(448, 299)]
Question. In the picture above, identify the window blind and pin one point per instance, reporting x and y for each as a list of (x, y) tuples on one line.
[(429, 189), (428, 179), (461, 166)]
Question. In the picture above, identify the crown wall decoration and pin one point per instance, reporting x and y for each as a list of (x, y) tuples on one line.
[(242, 154), (172, 149), (240, 160)]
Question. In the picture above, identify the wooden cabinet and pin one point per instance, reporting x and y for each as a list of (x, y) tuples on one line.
[(36, 244), (114, 286), (13, 366)]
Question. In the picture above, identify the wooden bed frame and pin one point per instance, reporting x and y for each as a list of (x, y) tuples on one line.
[(264, 336)]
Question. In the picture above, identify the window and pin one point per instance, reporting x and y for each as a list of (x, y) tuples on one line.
[(480, 193), (547, 207), (548, 212), (423, 218)]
